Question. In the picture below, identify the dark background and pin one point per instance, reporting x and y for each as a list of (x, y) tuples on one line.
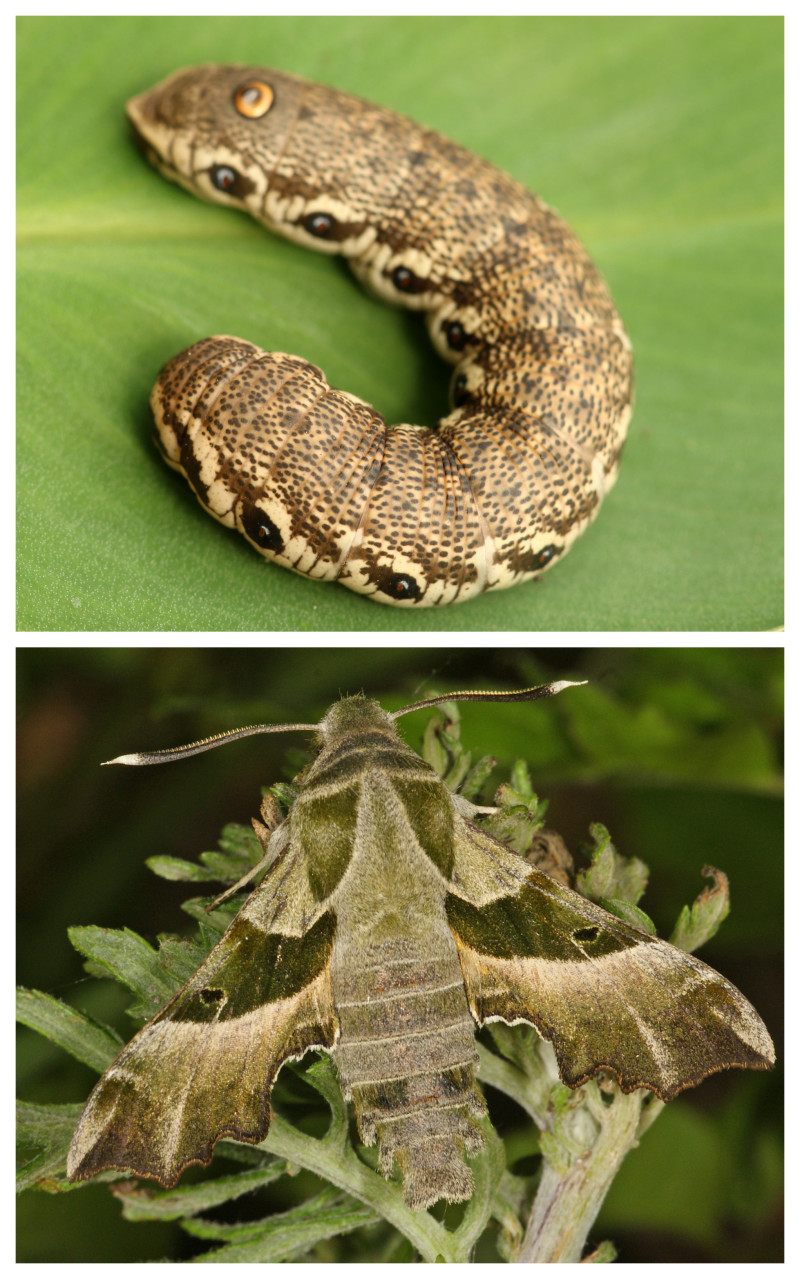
[(677, 751)]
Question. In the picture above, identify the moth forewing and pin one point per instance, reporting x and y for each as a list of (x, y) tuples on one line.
[(387, 925), (608, 996), (203, 1067)]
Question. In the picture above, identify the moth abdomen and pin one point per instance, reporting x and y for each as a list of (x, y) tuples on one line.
[(429, 1142), (406, 1058), (427, 1122)]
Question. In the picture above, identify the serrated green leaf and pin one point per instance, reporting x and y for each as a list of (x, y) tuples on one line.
[(238, 851), (175, 868), (144, 1204), (521, 780), (284, 793), (632, 876), (49, 1130), (598, 879), (433, 748), (217, 920), (697, 924), (241, 843), (75, 1032), (511, 799), (285, 1235), (225, 867), (123, 954), (488, 1166), (611, 876), (630, 913), (475, 779), (602, 1255), (180, 957)]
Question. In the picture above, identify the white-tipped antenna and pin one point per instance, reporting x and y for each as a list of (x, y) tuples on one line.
[(208, 743), (523, 695), (219, 739)]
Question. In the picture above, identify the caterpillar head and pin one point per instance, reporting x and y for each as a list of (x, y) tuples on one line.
[(217, 130)]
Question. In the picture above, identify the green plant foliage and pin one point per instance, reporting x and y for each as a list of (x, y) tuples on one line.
[(660, 140), (74, 1031), (151, 976)]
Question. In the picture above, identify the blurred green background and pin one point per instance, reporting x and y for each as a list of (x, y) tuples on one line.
[(660, 139), (678, 751)]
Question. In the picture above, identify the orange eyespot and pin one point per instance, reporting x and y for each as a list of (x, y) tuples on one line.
[(253, 99)]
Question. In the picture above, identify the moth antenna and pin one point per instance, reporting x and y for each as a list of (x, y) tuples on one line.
[(208, 743), (523, 695)]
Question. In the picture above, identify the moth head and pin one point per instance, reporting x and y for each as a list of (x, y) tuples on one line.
[(353, 715), (348, 715)]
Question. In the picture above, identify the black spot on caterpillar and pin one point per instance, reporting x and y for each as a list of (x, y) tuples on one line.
[(312, 476)]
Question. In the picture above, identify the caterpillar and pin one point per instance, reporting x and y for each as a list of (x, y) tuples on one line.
[(312, 476)]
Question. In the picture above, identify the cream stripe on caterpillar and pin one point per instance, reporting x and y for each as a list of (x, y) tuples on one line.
[(312, 476)]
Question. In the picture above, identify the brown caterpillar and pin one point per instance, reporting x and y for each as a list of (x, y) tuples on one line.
[(313, 477)]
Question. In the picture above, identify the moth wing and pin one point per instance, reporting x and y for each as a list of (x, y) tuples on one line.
[(203, 1068), (606, 995)]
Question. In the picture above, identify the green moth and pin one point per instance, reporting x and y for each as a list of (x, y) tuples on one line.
[(387, 927)]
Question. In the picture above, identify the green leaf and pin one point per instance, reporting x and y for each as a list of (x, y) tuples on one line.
[(121, 953), (144, 1204), (287, 1234), (239, 850), (612, 877), (630, 913), (601, 1255), (176, 868), (85, 1039), (636, 129), (476, 777), (49, 1130), (488, 1167), (240, 845), (697, 924)]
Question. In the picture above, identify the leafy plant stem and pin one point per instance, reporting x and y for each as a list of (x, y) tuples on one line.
[(569, 1198), (341, 1166)]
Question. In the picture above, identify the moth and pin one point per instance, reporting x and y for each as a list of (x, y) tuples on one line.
[(387, 927), (313, 477)]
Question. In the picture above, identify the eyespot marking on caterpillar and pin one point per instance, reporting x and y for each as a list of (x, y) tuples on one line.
[(542, 385), (398, 586), (260, 529), (321, 225), (254, 100), (405, 281), (229, 181), (457, 336)]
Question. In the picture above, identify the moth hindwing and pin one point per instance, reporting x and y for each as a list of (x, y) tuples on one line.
[(389, 925)]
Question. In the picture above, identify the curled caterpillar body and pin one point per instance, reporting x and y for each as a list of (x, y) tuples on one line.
[(312, 476)]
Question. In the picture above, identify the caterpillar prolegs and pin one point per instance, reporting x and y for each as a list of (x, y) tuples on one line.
[(313, 477)]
